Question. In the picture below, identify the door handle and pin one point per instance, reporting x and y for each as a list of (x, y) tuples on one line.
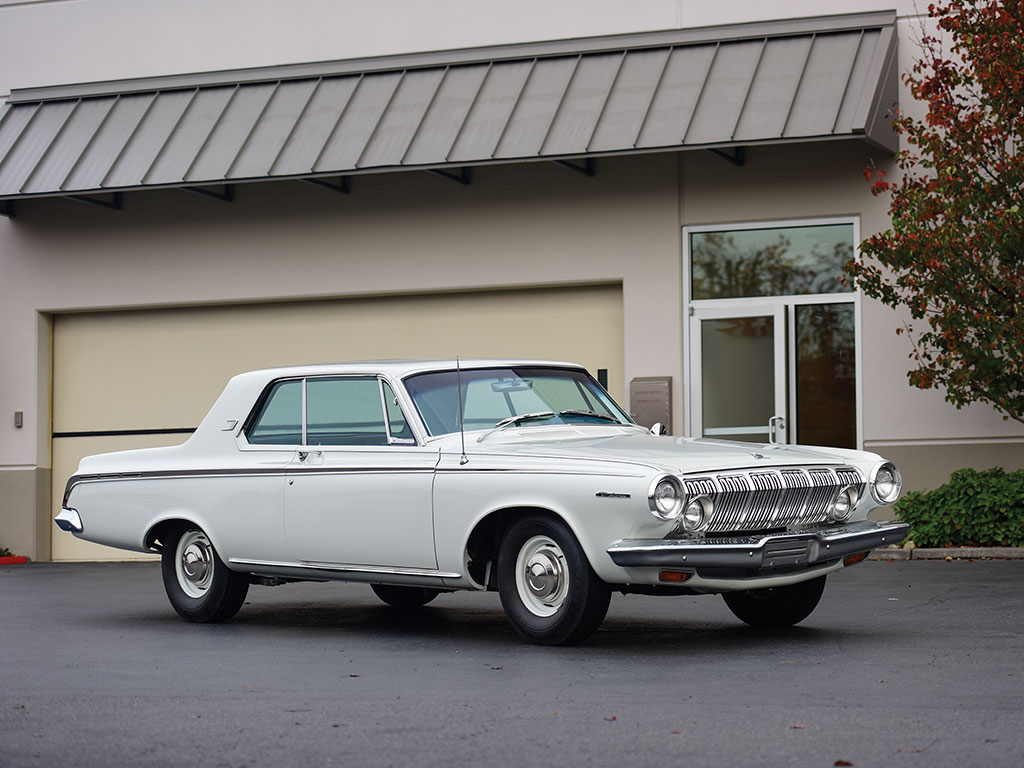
[(776, 424)]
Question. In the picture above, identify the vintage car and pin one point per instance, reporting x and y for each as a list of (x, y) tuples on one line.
[(524, 477)]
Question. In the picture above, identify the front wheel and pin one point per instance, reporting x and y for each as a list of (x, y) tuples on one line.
[(549, 592), (776, 606), (198, 584)]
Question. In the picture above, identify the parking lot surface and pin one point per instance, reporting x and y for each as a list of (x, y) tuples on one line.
[(902, 664)]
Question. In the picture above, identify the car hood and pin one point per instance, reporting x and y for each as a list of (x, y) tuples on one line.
[(666, 453)]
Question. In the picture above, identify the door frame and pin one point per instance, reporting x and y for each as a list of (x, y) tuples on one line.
[(788, 303)]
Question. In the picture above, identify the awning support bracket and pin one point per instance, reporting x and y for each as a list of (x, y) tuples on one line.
[(463, 177), (227, 196), (587, 168), (114, 203), (738, 156), (344, 185), (7, 208)]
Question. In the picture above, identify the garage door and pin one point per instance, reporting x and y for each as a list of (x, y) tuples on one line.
[(146, 378)]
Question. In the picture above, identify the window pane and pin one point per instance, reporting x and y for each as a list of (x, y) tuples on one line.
[(776, 261), (280, 420), (738, 377), (490, 395), (826, 369), (344, 412)]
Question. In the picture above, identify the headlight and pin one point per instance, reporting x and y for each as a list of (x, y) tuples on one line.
[(666, 498), (886, 483), (697, 514), (842, 506)]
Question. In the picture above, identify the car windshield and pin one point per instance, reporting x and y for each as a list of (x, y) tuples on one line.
[(513, 396)]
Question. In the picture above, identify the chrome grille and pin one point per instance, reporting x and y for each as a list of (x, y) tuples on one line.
[(772, 498)]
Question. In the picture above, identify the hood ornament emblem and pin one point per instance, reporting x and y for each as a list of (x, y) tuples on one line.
[(758, 455)]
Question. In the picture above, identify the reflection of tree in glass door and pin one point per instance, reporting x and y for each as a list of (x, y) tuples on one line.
[(826, 375)]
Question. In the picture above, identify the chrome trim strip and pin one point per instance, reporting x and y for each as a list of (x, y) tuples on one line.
[(387, 571), (809, 547), (460, 470)]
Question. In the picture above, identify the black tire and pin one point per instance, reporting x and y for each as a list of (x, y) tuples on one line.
[(198, 584), (777, 606), (550, 593), (404, 597)]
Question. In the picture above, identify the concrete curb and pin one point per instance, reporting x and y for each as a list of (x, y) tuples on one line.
[(950, 553)]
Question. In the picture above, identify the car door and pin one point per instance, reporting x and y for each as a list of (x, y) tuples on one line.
[(358, 490)]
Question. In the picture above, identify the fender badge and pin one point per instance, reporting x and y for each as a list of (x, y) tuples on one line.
[(611, 495)]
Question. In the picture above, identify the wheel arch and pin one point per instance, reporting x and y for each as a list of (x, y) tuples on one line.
[(156, 533), (484, 539)]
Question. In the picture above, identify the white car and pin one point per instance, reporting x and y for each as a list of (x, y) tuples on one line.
[(524, 477)]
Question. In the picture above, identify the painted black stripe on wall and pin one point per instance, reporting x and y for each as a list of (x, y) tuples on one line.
[(126, 432)]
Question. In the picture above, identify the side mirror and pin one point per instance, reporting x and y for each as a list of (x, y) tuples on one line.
[(658, 429)]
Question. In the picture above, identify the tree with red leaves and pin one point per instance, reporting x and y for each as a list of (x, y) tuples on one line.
[(955, 253)]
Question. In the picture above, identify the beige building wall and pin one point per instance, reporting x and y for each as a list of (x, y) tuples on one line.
[(927, 437), (531, 225)]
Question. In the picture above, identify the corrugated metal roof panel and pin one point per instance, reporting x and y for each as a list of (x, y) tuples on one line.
[(68, 146), (446, 115), (31, 145), (176, 156), (629, 100), (108, 141), (230, 132), (805, 79), (536, 108), (398, 126), (358, 122), (724, 93), (771, 94), (149, 136), (677, 92), (490, 112), (271, 131), (313, 128), (583, 104), (817, 101)]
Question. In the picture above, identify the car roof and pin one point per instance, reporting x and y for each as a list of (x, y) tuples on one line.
[(403, 367)]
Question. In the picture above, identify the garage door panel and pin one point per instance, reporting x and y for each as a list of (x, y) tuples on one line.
[(151, 370)]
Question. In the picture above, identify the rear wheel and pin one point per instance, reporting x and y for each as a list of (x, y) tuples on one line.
[(776, 606), (198, 584), (549, 592), (404, 597)]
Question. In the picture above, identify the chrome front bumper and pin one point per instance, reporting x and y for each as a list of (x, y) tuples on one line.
[(759, 552)]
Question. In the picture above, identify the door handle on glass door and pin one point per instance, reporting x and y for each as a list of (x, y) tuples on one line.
[(776, 424)]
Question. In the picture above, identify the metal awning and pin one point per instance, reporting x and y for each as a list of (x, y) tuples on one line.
[(830, 77)]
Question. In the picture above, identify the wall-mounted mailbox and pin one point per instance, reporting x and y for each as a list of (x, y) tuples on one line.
[(650, 400)]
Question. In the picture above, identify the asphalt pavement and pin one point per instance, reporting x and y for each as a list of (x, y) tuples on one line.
[(902, 664)]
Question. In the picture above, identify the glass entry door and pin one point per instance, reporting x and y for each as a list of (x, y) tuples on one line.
[(738, 373)]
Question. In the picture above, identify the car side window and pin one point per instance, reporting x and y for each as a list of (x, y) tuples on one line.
[(344, 411), (280, 419)]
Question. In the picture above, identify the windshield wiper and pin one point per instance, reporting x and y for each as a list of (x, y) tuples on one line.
[(512, 421), (591, 414)]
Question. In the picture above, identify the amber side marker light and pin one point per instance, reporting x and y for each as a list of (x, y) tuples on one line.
[(853, 559), (674, 576)]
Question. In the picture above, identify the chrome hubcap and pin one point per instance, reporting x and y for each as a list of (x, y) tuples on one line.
[(541, 576), (194, 563)]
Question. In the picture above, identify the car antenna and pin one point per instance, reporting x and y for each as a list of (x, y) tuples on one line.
[(462, 426)]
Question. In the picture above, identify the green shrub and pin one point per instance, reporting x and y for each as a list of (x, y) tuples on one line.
[(974, 509)]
